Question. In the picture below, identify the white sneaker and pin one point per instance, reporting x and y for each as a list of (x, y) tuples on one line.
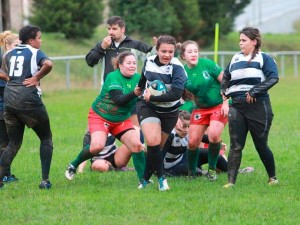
[(70, 172), (273, 181), (163, 184)]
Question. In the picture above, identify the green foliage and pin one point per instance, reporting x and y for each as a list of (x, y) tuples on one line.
[(217, 11), (189, 19), (147, 17), (296, 25), (74, 18)]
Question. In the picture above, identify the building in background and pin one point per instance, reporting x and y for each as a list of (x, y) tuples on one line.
[(270, 16), (14, 14)]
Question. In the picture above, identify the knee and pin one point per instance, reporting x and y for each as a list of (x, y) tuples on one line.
[(214, 139), (96, 148), (47, 142), (193, 144), (137, 146)]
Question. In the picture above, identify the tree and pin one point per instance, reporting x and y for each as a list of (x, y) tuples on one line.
[(74, 18), (217, 11), (143, 17), (188, 19)]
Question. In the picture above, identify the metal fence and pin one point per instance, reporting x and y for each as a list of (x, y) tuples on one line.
[(287, 61)]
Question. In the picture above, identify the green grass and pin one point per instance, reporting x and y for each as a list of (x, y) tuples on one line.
[(113, 198)]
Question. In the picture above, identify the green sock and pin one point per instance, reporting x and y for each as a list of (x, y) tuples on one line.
[(192, 161), (139, 162), (82, 156), (213, 155)]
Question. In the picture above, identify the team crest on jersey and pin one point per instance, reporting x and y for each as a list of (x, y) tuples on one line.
[(106, 125), (205, 74), (197, 116), (168, 69)]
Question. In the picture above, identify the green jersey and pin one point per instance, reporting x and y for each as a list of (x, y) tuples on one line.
[(188, 106), (104, 105), (203, 83)]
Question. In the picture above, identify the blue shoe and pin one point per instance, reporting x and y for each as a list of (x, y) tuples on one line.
[(45, 184), (144, 183), (10, 178), (163, 184)]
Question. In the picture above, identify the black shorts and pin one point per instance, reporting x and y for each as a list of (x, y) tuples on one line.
[(30, 118), (167, 120), (110, 159)]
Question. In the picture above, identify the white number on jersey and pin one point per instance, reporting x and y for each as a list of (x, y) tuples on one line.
[(16, 66)]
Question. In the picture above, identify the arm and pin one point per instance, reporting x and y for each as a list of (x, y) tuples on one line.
[(95, 54), (263, 86), (271, 72), (225, 82), (173, 95), (225, 105), (3, 76), (44, 70), (120, 99)]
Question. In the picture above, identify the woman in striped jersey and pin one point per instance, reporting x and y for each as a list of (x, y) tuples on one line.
[(247, 79), (158, 114)]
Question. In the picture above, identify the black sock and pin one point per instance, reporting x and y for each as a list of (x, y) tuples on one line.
[(156, 160)]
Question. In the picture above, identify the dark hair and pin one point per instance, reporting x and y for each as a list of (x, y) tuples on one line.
[(120, 59), (28, 32), (185, 44), (165, 39), (116, 20), (254, 34), (184, 115)]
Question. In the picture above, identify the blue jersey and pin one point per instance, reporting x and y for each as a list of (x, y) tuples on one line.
[(21, 63)]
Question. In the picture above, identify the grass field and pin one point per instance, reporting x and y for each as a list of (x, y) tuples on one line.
[(113, 198)]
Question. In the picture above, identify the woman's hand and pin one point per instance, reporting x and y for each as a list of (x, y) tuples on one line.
[(147, 95), (137, 91), (32, 81), (225, 108), (250, 99)]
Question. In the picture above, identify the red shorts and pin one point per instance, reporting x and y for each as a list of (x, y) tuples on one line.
[(204, 116), (97, 123)]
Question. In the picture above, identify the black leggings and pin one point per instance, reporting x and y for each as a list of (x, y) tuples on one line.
[(256, 118), (16, 132)]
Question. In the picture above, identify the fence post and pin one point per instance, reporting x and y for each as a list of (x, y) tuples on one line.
[(295, 65), (68, 81)]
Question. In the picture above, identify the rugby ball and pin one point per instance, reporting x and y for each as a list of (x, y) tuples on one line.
[(157, 88)]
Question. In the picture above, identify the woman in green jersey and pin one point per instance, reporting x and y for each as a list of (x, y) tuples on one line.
[(110, 112), (204, 78)]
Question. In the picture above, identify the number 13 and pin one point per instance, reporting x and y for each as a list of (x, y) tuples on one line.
[(16, 66)]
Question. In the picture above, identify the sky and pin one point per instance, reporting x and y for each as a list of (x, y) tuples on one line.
[(270, 16)]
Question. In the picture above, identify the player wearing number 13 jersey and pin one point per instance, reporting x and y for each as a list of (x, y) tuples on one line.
[(25, 66)]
